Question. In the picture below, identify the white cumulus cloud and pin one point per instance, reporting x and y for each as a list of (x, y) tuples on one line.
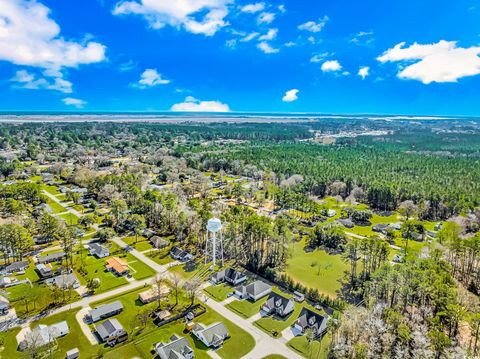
[(30, 81), (270, 35), (313, 26), (363, 72), (191, 104), (70, 101), (443, 61), (267, 48), (196, 16), (331, 66), (151, 78), (253, 8), (29, 37), (266, 18), (290, 95)]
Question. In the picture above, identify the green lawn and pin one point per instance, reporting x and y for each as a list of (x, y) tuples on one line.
[(95, 268), (138, 269), (9, 347), (50, 189), (315, 349), (245, 308), (192, 270), (316, 269), (237, 346), (69, 218), (142, 243), (161, 256), (218, 292)]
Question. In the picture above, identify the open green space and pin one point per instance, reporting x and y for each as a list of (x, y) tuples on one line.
[(219, 292), (140, 243), (314, 349), (192, 270), (316, 269), (56, 208), (245, 308), (89, 267), (69, 218), (50, 189)]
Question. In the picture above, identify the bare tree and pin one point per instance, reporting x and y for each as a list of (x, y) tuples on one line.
[(175, 283), (191, 288), (158, 287)]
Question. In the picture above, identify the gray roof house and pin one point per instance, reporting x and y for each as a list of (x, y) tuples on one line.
[(64, 281), (44, 334), (279, 305), (253, 291), (178, 348), (4, 305), (229, 275), (111, 331), (15, 267), (52, 257), (308, 319), (158, 242), (98, 250), (212, 336), (106, 310), (180, 255), (45, 270)]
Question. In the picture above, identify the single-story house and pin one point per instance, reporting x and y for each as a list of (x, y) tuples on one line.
[(397, 226), (72, 354), (117, 266), (64, 281), (45, 270), (105, 311), (279, 305), (212, 336), (346, 222), (111, 332), (158, 242), (253, 291), (331, 213), (380, 228), (44, 334), (311, 320), (152, 294), (229, 275), (5, 282), (299, 297), (178, 348), (163, 315), (15, 267), (51, 257), (98, 250), (4, 305), (180, 255), (148, 233)]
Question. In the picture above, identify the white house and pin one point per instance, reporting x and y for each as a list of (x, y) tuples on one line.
[(279, 305), (44, 334), (178, 348), (98, 250), (111, 332), (253, 291), (64, 281), (212, 336)]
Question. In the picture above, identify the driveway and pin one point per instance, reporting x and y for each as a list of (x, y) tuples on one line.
[(80, 316)]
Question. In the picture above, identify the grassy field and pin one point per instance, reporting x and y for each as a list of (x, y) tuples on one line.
[(142, 243), (219, 292), (50, 189), (315, 349), (316, 269), (69, 218), (95, 268), (162, 256), (56, 208), (192, 270), (245, 308)]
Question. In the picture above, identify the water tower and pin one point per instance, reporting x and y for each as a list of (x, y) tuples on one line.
[(214, 242)]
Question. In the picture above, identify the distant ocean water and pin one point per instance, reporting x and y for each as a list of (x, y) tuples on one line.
[(165, 117)]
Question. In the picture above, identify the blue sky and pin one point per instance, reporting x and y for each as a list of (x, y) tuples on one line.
[(385, 57)]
